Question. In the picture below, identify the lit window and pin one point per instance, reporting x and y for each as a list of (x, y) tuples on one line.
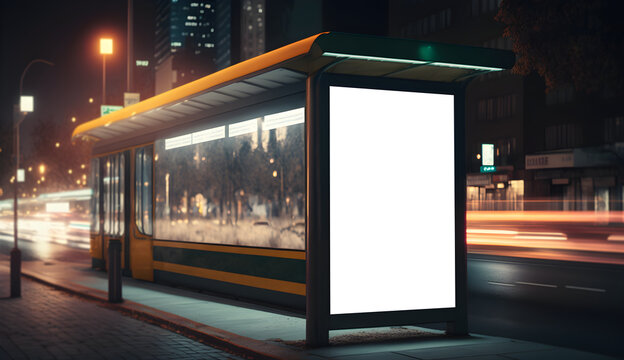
[(194, 4), (190, 17), (190, 23)]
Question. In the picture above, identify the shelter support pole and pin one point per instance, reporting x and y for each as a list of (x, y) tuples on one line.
[(317, 224), (460, 324)]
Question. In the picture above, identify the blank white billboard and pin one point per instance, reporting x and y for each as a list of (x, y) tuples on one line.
[(392, 200)]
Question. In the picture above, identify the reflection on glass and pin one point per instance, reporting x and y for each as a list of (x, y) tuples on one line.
[(94, 184), (143, 190), (113, 193), (244, 189)]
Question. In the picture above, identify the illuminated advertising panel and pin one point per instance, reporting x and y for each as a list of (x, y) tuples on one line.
[(487, 156), (392, 200)]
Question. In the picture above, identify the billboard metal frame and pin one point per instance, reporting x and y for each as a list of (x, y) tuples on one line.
[(318, 318)]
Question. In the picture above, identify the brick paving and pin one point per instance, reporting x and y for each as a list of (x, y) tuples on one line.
[(46, 323)]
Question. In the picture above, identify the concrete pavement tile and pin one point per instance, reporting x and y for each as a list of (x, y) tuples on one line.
[(480, 357), (402, 346), (509, 346), (557, 354), (375, 356)]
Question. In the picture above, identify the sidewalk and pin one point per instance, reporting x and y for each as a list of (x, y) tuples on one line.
[(46, 323), (257, 332)]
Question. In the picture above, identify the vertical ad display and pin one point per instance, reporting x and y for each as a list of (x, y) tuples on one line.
[(392, 200)]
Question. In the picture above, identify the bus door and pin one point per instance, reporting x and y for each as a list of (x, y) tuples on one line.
[(141, 252), (95, 215)]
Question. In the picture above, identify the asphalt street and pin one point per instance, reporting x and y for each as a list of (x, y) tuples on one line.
[(572, 304), (563, 303)]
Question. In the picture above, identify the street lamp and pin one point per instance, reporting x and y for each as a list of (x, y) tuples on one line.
[(106, 48), (26, 105)]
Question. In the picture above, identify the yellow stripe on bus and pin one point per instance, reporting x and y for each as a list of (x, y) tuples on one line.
[(286, 254), (246, 280)]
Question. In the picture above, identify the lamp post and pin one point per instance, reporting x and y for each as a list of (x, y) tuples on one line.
[(106, 48), (26, 105)]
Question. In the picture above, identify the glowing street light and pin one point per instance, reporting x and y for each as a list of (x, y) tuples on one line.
[(42, 169), (27, 103), (73, 119), (106, 48)]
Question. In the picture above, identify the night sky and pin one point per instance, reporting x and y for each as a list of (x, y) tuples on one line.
[(66, 33)]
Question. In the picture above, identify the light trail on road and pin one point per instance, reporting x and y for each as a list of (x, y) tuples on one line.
[(585, 236), (44, 228)]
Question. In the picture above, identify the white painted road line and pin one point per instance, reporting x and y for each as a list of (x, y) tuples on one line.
[(536, 284), (585, 288), (499, 283)]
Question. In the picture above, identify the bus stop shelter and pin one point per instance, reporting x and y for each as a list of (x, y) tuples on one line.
[(384, 167)]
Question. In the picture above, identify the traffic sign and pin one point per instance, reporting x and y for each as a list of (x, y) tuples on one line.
[(131, 98), (488, 168), (107, 109)]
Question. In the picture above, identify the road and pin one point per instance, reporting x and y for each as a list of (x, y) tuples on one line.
[(571, 304), (48, 237), (556, 280)]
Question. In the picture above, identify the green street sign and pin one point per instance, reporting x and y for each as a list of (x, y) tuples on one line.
[(107, 109), (488, 168)]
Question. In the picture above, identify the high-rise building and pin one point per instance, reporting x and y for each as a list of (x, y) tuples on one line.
[(252, 28), (194, 38), (185, 41)]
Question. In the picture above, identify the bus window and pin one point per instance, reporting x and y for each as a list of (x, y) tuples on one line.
[(106, 182), (242, 183), (94, 184), (120, 194), (113, 192), (143, 190)]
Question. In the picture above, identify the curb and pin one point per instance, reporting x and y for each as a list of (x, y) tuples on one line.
[(237, 344)]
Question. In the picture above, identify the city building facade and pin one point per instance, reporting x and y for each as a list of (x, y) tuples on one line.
[(560, 150)]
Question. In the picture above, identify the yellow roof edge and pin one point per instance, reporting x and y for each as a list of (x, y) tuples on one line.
[(233, 72)]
